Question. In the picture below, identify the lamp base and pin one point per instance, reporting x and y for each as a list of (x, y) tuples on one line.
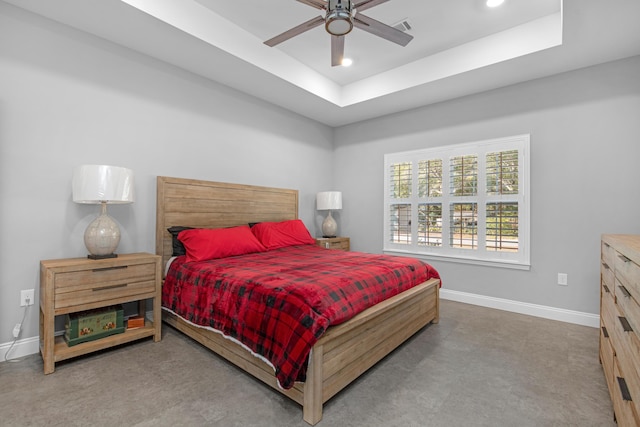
[(102, 236), (102, 256), (329, 226)]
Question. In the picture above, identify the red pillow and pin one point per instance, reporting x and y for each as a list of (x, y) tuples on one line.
[(274, 235), (211, 243)]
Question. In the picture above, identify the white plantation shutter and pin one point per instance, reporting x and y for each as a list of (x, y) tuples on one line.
[(466, 202)]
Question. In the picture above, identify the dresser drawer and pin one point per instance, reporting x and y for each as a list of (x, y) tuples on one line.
[(607, 291), (626, 413), (615, 328), (606, 356), (627, 348), (628, 273), (608, 254), (606, 275), (609, 313), (628, 306)]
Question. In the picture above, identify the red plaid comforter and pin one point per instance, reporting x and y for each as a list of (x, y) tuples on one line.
[(279, 303)]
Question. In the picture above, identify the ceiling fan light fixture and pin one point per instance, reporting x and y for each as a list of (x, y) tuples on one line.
[(338, 21), (494, 3)]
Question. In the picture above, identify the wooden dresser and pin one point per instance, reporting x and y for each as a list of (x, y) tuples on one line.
[(620, 324)]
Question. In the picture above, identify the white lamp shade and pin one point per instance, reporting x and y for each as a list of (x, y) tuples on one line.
[(328, 200), (101, 183)]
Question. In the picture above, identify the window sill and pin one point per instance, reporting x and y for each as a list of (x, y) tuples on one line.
[(514, 265)]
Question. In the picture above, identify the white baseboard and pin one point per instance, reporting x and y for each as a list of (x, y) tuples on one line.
[(569, 316), (23, 347)]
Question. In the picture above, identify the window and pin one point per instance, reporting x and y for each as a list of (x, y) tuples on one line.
[(466, 202)]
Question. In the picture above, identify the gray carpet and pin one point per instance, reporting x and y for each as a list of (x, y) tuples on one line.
[(477, 367)]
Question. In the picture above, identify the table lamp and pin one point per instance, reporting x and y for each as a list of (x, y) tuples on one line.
[(102, 184), (329, 200)]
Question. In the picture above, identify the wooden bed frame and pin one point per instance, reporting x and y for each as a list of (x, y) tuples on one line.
[(346, 350)]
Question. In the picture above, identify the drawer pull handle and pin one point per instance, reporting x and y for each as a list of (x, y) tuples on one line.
[(606, 289), (104, 288), (624, 390), (605, 265), (624, 291), (605, 332), (119, 267), (607, 245), (624, 258), (625, 324)]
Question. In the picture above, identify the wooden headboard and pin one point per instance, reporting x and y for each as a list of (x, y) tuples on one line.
[(207, 204)]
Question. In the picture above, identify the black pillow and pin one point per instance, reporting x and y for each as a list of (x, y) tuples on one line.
[(177, 246)]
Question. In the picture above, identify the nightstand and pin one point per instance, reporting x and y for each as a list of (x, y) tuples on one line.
[(78, 284), (334, 243)]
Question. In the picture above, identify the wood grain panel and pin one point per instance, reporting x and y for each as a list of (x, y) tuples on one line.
[(206, 204)]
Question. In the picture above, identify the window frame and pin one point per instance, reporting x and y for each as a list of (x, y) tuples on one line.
[(479, 256)]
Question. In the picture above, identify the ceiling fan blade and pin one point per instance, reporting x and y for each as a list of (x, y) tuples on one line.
[(310, 24), (367, 4), (318, 4), (337, 50), (379, 29)]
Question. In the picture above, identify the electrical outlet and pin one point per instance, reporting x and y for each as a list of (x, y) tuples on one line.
[(563, 279), (26, 297)]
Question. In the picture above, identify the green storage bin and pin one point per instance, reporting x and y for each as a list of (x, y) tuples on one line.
[(93, 324)]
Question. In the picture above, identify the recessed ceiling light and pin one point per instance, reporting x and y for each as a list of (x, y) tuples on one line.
[(346, 62), (494, 3)]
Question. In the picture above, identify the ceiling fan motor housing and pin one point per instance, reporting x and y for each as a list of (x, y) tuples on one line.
[(338, 21)]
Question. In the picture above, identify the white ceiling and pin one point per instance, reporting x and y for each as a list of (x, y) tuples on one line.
[(460, 47)]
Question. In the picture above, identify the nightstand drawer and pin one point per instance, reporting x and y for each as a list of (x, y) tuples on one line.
[(341, 243), (115, 292), (338, 245), (81, 280)]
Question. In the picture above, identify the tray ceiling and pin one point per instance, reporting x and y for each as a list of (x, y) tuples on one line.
[(460, 47)]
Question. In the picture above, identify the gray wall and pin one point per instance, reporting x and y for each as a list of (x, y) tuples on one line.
[(585, 155), (67, 98)]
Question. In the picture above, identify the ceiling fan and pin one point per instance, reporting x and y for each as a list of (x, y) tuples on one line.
[(339, 20)]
